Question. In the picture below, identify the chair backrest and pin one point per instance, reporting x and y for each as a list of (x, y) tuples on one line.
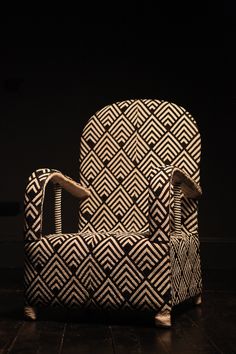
[(120, 146)]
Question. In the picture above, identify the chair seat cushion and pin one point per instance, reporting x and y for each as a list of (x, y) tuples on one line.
[(101, 270)]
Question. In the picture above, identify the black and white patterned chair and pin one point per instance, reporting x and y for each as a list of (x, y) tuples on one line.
[(137, 245)]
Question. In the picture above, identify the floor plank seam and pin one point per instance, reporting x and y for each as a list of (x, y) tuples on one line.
[(22, 324), (62, 339), (207, 336), (163, 344), (112, 339)]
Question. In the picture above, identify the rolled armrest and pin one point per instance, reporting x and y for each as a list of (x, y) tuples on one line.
[(71, 186), (34, 198), (189, 187)]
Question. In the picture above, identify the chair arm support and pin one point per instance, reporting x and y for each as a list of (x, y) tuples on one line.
[(161, 199), (34, 198)]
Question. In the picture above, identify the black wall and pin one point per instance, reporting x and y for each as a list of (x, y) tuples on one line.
[(57, 71)]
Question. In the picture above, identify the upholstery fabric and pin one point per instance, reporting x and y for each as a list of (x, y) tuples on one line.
[(95, 269), (127, 253), (120, 146)]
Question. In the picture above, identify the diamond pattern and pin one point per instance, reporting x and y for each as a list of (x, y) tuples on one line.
[(126, 253)]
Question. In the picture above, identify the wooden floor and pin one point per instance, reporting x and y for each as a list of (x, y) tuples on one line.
[(210, 328)]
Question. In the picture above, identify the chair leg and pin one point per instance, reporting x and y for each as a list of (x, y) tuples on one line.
[(163, 318), (197, 300), (30, 313)]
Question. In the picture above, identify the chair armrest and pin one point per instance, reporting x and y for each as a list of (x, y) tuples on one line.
[(34, 198), (161, 199), (189, 187), (71, 186)]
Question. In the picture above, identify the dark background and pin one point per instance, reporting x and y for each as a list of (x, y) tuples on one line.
[(56, 71)]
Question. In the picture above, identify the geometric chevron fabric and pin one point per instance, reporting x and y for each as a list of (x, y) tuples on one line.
[(120, 146), (137, 246)]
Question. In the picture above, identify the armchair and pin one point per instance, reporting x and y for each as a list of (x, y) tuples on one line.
[(137, 245)]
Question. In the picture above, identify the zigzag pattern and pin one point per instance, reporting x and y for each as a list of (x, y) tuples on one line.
[(185, 267), (33, 203), (160, 192), (125, 142), (111, 270), (126, 253)]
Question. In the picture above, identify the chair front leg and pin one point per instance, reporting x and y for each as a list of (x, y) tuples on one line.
[(30, 313), (197, 300), (163, 318)]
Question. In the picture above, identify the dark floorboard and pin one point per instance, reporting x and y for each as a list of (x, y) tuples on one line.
[(217, 318), (87, 339), (125, 340), (209, 328), (8, 332), (38, 337)]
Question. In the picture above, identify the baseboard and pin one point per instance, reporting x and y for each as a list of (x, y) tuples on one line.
[(218, 253)]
